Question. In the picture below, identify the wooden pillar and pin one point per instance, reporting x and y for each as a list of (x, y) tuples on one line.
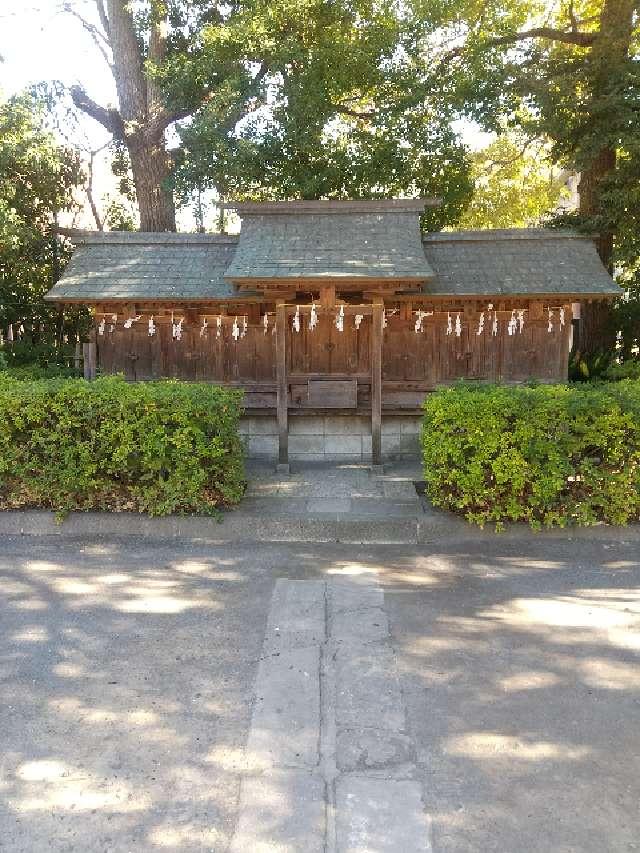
[(283, 392), (89, 352), (376, 386)]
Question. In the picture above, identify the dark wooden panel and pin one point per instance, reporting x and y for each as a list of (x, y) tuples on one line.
[(333, 393)]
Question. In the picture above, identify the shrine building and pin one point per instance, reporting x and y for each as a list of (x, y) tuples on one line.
[(336, 318)]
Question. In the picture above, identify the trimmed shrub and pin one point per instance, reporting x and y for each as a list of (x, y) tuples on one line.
[(623, 370), (548, 455), (155, 447), (37, 371)]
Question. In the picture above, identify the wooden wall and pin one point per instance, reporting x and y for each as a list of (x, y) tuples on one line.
[(412, 363)]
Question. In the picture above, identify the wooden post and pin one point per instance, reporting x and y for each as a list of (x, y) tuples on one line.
[(89, 352), (376, 387), (283, 395)]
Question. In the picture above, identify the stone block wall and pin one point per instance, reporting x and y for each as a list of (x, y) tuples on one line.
[(331, 437)]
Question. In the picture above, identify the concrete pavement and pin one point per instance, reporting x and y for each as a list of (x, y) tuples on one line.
[(475, 696)]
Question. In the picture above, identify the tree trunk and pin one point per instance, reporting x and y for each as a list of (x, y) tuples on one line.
[(607, 59), (141, 118), (597, 331), (151, 166)]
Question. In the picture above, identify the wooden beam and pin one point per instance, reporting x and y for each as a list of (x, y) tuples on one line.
[(282, 390), (376, 386), (328, 296)]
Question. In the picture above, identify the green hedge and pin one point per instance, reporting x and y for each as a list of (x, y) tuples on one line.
[(548, 455), (156, 447)]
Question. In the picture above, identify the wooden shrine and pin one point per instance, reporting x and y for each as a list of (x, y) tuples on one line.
[(333, 306)]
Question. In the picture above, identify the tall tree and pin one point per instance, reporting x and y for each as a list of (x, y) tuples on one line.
[(344, 111), (565, 69), (137, 39)]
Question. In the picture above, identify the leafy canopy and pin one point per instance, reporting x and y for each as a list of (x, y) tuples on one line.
[(343, 110), (513, 187), (37, 177)]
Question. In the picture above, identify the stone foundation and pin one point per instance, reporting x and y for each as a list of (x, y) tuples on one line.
[(332, 438)]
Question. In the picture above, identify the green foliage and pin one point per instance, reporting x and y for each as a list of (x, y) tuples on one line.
[(514, 187), (587, 368), (623, 370), (343, 110), (547, 455), (37, 177), (158, 447), (24, 352)]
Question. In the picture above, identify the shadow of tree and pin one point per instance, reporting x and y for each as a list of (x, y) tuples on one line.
[(521, 672), (127, 672), (127, 677)]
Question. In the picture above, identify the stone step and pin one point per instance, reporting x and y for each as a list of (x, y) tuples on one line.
[(239, 526)]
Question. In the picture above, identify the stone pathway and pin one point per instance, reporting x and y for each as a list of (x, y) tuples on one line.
[(329, 760), (334, 490)]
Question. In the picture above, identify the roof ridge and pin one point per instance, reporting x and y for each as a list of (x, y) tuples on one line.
[(488, 234), (110, 238), (332, 206)]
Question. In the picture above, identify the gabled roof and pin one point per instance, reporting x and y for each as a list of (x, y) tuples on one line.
[(138, 266), (330, 239), (516, 262)]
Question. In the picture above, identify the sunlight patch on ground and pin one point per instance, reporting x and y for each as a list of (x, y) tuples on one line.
[(49, 784), (73, 586), (347, 568), (195, 567), (176, 837), (605, 674), (68, 670), (150, 603), (41, 566), (31, 634), (490, 745), (231, 759), (113, 579), (529, 681), (612, 613)]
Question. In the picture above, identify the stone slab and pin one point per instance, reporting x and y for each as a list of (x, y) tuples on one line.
[(380, 816), (281, 811), (332, 506), (367, 688), (360, 626), (374, 531), (296, 616), (285, 724), (370, 749), (386, 507), (350, 595)]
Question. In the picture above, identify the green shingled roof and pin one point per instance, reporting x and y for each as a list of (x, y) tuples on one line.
[(138, 266), (516, 262), (330, 239)]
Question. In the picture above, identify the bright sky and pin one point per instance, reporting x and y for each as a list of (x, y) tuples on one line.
[(40, 41)]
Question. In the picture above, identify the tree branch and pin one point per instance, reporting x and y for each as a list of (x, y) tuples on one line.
[(169, 116), (544, 33), (99, 39), (103, 18), (109, 119), (365, 115)]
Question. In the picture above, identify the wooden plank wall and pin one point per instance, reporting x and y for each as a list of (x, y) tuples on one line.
[(202, 358), (412, 363)]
